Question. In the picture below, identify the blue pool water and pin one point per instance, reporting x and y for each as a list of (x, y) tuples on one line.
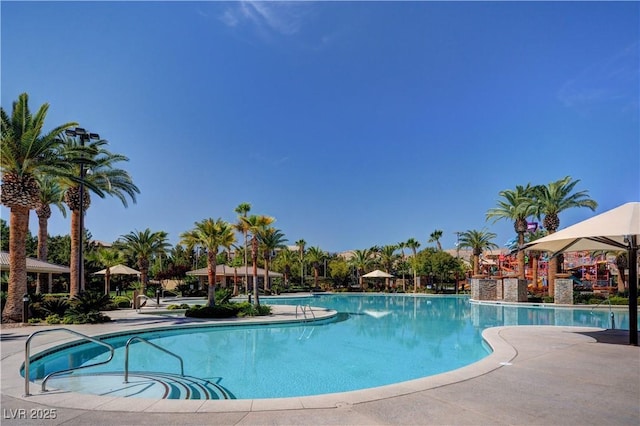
[(375, 340)]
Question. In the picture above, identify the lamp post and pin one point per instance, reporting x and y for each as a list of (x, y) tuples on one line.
[(84, 136), (25, 308)]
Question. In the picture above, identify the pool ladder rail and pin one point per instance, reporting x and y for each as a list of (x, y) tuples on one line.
[(303, 309), (611, 315), (27, 358)]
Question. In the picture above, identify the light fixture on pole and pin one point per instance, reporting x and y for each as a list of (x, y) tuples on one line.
[(84, 136)]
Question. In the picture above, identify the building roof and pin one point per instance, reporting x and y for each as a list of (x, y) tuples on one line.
[(230, 271), (34, 265)]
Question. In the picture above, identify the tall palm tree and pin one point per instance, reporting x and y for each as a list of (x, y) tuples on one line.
[(143, 247), (102, 177), (255, 223), (316, 256), (210, 235), (387, 258), (25, 152), (270, 240), (535, 255), (550, 201), (50, 194), (434, 237), (241, 226), (401, 246), (413, 245), (301, 244), (516, 205), (284, 259), (108, 257), (477, 241), (362, 261)]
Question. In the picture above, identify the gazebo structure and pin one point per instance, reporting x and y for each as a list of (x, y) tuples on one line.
[(226, 271), (36, 266)]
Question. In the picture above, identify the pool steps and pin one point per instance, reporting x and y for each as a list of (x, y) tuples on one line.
[(142, 384)]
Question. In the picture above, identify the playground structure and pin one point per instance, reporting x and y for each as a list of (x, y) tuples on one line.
[(589, 272)]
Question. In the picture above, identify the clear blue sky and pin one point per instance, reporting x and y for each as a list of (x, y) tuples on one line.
[(352, 123)]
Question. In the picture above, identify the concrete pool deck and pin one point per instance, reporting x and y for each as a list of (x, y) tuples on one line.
[(536, 375)]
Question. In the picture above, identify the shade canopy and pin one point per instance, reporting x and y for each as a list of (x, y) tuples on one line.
[(118, 270), (616, 229), (230, 271), (34, 265), (606, 231), (377, 274)]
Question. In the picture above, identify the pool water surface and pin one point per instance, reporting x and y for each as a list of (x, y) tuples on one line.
[(375, 340)]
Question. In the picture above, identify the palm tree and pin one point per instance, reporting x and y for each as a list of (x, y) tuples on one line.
[(107, 257), (270, 240), (143, 246), (301, 245), (50, 194), (25, 153), (254, 224), (241, 226), (434, 237), (477, 241), (102, 177), (516, 205), (550, 201), (210, 235), (401, 246), (387, 257), (413, 245), (284, 259), (534, 254), (316, 256), (362, 261)]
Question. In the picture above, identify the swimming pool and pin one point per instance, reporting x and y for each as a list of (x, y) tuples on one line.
[(375, 340)]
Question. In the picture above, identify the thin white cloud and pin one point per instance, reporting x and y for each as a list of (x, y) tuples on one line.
[(614, 79), (284, 18)]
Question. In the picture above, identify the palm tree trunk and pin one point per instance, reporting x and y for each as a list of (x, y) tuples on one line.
[(534, 274), (18, 228), (74, 287), (267, 286), (254, 258), (42, 249), (552, 270), (107, 279), (520, 256), (211, 275), (235, 281)]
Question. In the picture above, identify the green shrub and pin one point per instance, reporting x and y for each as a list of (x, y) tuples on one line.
[(548, 299), (94, 317), (182, 306), (55, 306), (34, 320), (121, 302), (618, 300), (247, 309), (228, 310), (88, 302), (53, 319)]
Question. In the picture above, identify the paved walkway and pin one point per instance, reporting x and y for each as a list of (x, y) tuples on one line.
[(536, 375)]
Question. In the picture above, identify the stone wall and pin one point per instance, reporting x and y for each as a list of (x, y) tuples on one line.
[(563, 292), (483, 289), (515, 290)]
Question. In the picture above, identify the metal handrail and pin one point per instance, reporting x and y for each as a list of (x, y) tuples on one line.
[(310, 310), (140, 339), (611, 315), (27, 361), (303, 309)]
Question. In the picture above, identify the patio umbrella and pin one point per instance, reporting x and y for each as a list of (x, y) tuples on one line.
[(616, 229), (377, 274), (118, 270)]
